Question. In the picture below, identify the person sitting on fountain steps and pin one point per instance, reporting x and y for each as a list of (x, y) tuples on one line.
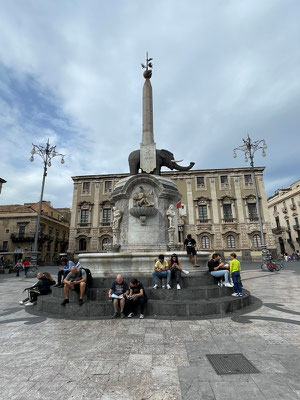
[(118, 292), (217, 268), (161, 270), (75, 280), (137, 297)]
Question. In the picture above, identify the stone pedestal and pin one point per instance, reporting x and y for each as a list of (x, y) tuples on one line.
[(143, 201)]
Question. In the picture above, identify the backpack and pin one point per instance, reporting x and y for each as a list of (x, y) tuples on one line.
[(89, 277)]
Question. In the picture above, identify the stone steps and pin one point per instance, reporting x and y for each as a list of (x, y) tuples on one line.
[(191, 293), (162, 308), (200, 296)]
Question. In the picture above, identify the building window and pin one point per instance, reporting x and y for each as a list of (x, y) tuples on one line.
[(106, 216), (107, 186), (7, 230), (248, 179), (82, 244), (56, 235), (202, 213), (275, 208), (21, 230), (293, 201), (256, 241), (4, 245), (277, 222), (230, 242), (200, 181), (205, 243), (224, 180), (85, 187), (227, 212), (84, 216), (296, 222), (252, 211), (288, 224), (105, 242)]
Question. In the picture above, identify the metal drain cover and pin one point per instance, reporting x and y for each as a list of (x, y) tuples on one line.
[(227, 364)]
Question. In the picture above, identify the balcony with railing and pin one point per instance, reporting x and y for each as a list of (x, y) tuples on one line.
[(278, 230), (17, 237), (253, 218)]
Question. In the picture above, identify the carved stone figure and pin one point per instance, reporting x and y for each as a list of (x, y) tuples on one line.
[(170, 213), (164, 158), (117, 216), (143, 198)]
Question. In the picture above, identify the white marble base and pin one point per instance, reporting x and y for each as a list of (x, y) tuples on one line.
[(130, 264)]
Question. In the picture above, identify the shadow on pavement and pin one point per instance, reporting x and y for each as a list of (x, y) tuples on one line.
[(27, 320)]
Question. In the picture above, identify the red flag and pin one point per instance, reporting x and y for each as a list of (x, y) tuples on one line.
[(179, 204)]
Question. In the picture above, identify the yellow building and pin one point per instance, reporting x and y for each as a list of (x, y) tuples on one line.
[(17, 230), (284, 208), (218, 207)]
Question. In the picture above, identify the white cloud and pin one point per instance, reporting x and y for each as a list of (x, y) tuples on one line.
[(221, 70)]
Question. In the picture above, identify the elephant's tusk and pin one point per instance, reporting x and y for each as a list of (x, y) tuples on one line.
[(176, 161)]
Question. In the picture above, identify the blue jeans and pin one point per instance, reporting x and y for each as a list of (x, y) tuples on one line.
[(219, 273), (236, 277), (160, 275)]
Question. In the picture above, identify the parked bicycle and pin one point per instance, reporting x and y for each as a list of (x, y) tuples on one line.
[(270, 265)]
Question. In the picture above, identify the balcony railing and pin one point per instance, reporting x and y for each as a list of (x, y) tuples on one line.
[(253, 218), (228, 220), (278, 230), (29, 237)]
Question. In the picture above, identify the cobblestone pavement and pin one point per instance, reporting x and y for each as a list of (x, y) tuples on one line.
[(45, 358)]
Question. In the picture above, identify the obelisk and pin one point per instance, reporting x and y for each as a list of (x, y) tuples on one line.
[(148, 146)]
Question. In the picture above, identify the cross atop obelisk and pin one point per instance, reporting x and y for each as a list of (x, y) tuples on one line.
[(148, 146)]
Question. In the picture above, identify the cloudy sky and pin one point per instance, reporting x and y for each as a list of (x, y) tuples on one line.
[(70, 71)]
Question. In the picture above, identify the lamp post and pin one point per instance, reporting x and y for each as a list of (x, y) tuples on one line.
[(46, 153), (249, 148)]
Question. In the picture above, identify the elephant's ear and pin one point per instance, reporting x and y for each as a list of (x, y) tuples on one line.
[(164, 153)]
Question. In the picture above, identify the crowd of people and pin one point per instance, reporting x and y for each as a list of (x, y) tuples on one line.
[(126, 298)]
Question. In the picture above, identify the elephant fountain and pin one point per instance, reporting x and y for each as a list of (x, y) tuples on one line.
[(164, 158)]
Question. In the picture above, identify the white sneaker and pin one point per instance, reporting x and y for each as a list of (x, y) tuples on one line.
[(130, 315), (228, 285), (178, 286), (240, 294), (235, 295), (142, 316), (29, 303), (163, 287), (155, 286), (185, 271), (168, 286), (21, 302)]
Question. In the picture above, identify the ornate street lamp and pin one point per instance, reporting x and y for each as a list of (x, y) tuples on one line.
[(46, 153), (249, 148)]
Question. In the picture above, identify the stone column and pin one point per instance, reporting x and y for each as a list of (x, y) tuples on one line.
[(147, 147)]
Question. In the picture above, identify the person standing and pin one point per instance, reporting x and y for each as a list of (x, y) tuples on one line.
[(19, 267), (190, 246), (26, 266), (235, 272), (161, 270)]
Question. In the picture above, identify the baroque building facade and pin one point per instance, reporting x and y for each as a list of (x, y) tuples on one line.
[(284, 209), (17, 231), (218, 207)]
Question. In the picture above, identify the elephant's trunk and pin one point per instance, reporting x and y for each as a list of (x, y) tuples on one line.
[(180, 168)]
